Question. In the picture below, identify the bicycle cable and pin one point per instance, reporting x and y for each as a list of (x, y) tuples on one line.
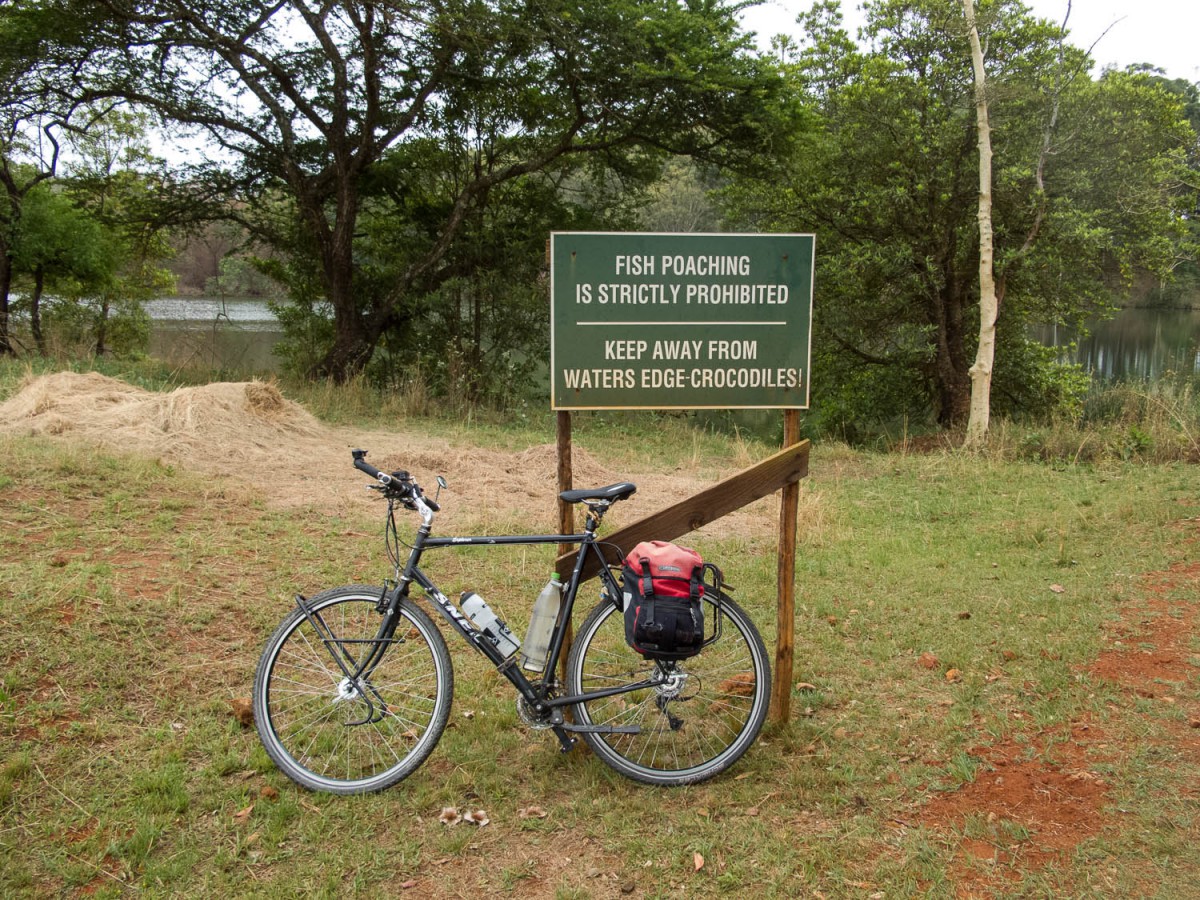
[(391, 536)]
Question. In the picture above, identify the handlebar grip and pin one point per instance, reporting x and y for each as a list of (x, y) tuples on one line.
[(362, 465)]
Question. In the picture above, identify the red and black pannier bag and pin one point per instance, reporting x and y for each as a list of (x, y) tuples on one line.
[(663, 588)]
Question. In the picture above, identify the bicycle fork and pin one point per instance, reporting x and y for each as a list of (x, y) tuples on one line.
[(356, 683)]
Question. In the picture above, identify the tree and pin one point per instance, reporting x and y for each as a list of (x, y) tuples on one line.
[(981, 371), (679, 201), (23, 163), (1085, 191), (39, 110), (1186, 267), (60, 244), (117, 181), (304, 100)]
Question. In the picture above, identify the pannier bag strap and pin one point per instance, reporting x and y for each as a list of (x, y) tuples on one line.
[(647, 581), (694, 582), (717, 576), (647, 591)]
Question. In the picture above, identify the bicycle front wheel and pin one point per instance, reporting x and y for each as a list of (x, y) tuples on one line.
[(328, 732), (700, 716)]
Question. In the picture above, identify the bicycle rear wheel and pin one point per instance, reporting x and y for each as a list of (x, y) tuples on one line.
[(699, 718), (330, 734)]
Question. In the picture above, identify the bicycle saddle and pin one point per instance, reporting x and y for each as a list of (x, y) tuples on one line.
[(611, 493)]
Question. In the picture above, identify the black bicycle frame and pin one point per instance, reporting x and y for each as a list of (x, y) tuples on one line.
[(535, 694), (459, 622)]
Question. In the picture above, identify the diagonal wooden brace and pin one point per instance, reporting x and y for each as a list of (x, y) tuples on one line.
[(787, 466)]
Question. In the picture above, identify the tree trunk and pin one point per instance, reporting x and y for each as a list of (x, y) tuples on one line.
[(6, 348), (354, 333), (952, 383), (35, 309), (102, 327), (981, 371), (350, 352), (953, 389)]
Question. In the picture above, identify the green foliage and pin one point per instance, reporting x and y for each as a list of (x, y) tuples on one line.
[(1087, 191), (56, 235), (473, 332), (1034, 384), (306, 317), (679, 200), (425, 127), (854, 401), (480, 342), (242, 276), (86, 242), (75, 324)]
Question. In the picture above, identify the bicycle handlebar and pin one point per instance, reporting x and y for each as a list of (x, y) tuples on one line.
[(362, 465), (399, 481)]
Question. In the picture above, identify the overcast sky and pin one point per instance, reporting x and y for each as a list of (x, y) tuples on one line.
[(1164, 33)]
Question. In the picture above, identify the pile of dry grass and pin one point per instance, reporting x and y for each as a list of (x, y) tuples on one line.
[(214, 424), (244, 430), (187, 421), (250, 432)]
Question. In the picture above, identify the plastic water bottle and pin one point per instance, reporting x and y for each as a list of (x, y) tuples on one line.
[(476, 609), (545, 614)]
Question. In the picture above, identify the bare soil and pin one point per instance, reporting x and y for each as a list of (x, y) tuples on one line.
[(1037, 797), (250, 432)]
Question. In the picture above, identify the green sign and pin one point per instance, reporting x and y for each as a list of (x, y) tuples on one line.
[(680, 321)]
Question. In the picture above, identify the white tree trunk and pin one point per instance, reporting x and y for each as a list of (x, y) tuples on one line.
[(981, 371)]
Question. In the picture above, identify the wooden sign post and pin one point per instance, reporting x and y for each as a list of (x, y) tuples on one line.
[(789, 509), (689, 321), (783, 470)]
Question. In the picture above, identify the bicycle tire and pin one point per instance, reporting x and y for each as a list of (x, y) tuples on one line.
[(314, 723), (710, 723)]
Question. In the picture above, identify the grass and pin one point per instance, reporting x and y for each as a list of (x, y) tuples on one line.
[(134, 599), (1157, 421)]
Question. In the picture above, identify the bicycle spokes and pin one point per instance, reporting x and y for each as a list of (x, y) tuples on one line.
[(340, 707)]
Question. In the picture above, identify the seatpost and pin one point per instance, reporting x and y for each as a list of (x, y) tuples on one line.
[(595, 513)]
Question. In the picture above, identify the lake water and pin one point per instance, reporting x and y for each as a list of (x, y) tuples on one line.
[(1135, 344), (241, 333), (234, 333)]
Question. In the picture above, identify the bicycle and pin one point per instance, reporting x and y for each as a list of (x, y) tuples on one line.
[(354, 687)]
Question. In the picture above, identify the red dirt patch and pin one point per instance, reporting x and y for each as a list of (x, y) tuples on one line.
[(1034, 798), (1152, 645), (77, 834)]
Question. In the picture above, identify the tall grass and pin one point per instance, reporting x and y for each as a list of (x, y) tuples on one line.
[(1152, 421), (1149, 421)]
